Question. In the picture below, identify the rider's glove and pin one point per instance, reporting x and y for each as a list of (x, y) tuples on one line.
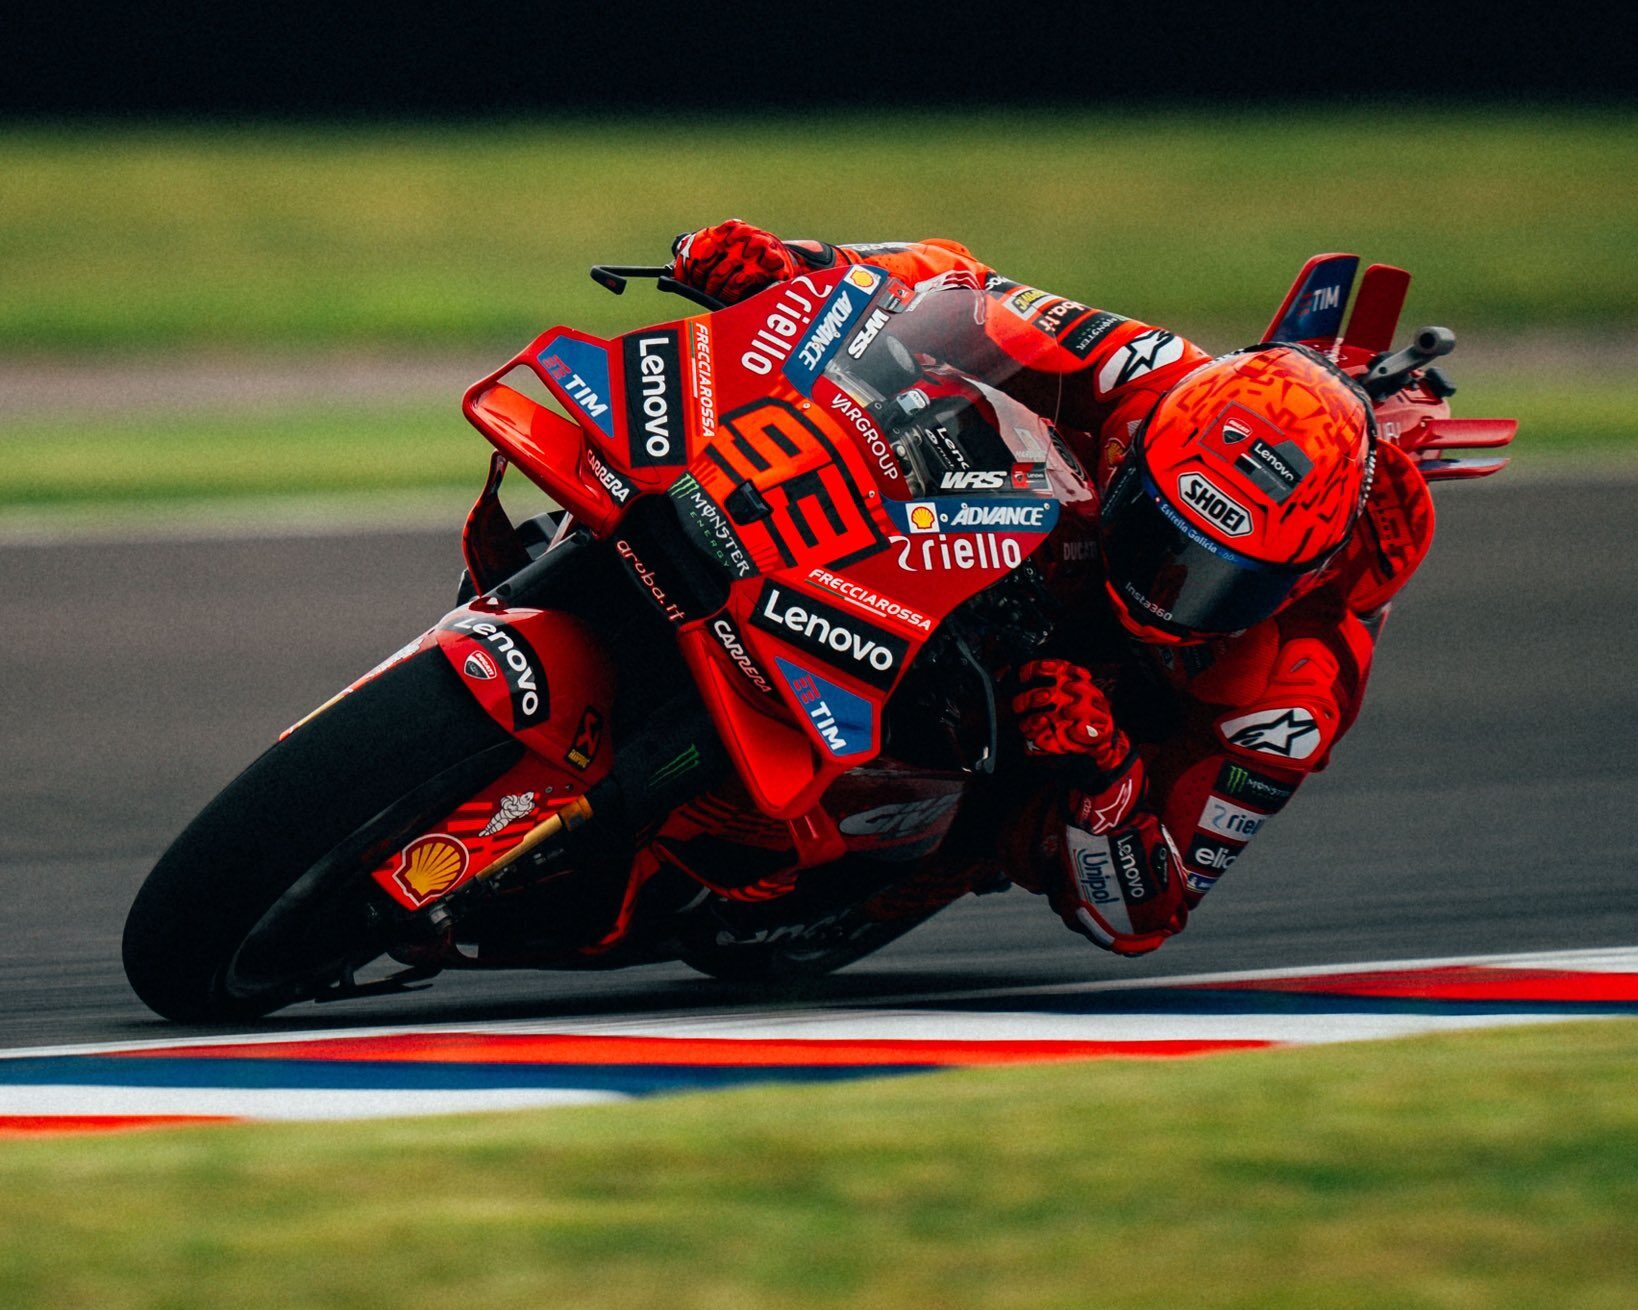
[(1066, 719), (1110, 872), (1067, 716), (731, 261)]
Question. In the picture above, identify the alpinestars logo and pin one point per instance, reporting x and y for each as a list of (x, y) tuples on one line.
[(1144, 353), (1292, 733)]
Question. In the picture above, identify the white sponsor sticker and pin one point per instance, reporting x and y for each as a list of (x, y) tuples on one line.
[(1289, 733), (1214, 504), (1230, 820), (1142, 354), (1095, 875), (898, 820)]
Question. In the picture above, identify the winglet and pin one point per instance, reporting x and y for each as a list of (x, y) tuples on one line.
[(1312, 309), (1376, 309)]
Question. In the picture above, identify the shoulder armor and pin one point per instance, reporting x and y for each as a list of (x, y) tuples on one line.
[(1392, 536)]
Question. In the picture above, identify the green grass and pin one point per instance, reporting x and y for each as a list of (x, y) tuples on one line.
[(163, 237), (147, 459), (1497, 1168), (152, 457)]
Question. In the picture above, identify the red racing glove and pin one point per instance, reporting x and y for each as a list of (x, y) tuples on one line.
[(1068, 716), (732, 260), (1115, 880)]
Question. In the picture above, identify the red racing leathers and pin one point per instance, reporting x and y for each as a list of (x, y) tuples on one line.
[(1167, 759)]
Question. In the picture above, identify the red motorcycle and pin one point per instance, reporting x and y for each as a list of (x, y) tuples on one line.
[(736, 705)]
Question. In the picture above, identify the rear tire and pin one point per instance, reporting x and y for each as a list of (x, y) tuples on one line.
[(320, 808)]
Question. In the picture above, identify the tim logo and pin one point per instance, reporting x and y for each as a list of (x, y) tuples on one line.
[(1228, 514), (1320, 298)]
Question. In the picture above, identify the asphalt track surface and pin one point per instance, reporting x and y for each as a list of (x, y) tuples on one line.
[(1483, 803)]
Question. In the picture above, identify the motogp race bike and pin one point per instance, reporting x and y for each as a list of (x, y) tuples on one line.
[(736, 704)]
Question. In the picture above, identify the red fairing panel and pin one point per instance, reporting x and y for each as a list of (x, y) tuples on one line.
[(540, 675), (753, 423)]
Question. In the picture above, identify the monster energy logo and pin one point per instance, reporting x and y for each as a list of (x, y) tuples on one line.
[(1237, 780), (677, 767)]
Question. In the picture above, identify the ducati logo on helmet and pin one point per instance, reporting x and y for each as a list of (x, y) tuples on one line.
[(1234, 424)]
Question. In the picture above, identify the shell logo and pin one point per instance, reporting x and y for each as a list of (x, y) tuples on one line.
[(430, 866), (862, 278), (923, 517)]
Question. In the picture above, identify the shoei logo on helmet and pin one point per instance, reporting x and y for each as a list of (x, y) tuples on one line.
[(1207, 500)]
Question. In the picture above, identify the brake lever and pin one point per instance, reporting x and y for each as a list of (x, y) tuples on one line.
[(1390, 372), (613, 277)]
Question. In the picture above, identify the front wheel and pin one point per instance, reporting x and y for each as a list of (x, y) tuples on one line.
[(265, 896)]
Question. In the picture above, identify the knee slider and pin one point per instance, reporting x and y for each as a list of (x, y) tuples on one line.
[(1122, 889)]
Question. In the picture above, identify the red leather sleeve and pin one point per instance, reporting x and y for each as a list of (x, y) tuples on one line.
[(1260, 721)]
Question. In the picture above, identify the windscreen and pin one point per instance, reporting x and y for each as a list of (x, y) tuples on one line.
[(942, 392)]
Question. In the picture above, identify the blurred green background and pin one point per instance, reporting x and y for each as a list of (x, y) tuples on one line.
[(438, 251)]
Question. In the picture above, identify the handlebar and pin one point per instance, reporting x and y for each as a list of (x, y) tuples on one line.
[(1389, 373), (613, 277)]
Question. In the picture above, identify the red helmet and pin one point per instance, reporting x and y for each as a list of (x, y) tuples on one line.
[(1239, 487)]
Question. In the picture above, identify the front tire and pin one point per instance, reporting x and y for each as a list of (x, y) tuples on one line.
[(275, 869)]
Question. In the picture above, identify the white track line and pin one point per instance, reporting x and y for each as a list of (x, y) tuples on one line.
[(920, 1016), (281, 1102)]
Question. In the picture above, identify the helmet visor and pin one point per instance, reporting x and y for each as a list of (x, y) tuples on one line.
[(1172, 576)]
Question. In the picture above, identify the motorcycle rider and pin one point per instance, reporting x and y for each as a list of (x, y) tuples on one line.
[(1246, 535)]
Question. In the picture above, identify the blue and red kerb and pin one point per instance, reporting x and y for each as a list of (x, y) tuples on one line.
[(143, 1087), (477, 1062)]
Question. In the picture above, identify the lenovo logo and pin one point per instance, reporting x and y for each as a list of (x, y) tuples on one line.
[(864, 651)]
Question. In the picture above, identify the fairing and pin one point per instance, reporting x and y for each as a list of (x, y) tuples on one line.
[(838, 454)]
